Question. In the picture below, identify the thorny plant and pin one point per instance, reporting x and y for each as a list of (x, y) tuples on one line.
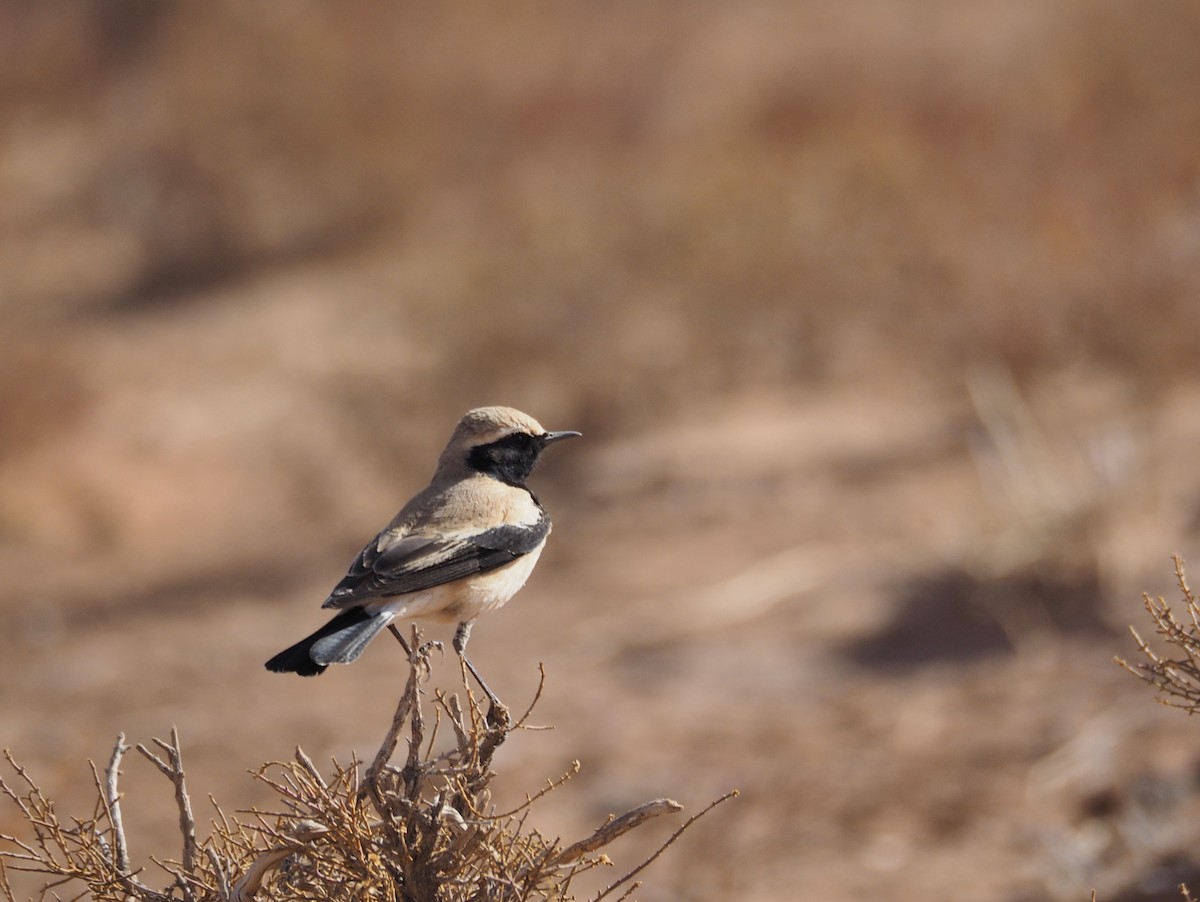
[(1176, 678), (422, 831)]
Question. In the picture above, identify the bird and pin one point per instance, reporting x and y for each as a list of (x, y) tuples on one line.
[(459, 548)]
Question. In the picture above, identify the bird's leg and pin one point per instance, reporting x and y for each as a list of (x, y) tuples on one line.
[(419, 658), (498, 715), (399, 638)]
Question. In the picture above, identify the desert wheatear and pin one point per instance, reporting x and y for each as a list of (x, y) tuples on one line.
[(461, 547)]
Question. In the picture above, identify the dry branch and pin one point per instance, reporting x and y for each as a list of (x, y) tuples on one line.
[(618, 826), (172, 769), (112, 804)]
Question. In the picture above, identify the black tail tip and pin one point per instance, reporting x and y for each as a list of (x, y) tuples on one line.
[(291, 661)]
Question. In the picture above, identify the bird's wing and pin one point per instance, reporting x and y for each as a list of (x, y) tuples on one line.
[(396, 566)]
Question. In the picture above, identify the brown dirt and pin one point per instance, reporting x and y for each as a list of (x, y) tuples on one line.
[(880, 323)]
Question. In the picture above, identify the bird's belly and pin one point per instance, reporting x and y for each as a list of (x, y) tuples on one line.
[(463, 599)]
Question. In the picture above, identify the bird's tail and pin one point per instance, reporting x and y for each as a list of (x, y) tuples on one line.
[(339, 641)]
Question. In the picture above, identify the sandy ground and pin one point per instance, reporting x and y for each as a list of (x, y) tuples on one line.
[(871, 481)]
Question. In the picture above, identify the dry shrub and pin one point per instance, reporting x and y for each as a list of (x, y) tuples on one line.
[(1176, 678), (421, 831)]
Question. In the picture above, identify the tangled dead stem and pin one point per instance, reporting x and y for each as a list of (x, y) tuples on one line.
[(423, 831)]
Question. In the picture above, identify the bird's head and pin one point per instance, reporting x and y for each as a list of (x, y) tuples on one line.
[(499, 442)]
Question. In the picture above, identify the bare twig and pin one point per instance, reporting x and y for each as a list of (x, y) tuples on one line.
[(172, 768), (619, 826), (404, 709), (220, 872), (5, 886), (550, 786), (302, 832), (674, 836), (453, 707), (310, 768), (412, 767), (537, 696), (112, 804)]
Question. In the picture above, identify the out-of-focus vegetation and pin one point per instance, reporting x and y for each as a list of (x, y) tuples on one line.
[(879, 320), (674, 199)]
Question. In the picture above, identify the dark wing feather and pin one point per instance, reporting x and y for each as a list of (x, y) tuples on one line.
[(414, 563)]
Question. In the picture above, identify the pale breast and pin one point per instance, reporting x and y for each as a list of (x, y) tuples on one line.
[(464, 599)]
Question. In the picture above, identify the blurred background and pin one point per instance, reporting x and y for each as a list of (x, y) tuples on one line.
[(880, 321)]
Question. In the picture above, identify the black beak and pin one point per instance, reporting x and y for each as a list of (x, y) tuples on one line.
[(551, 437)]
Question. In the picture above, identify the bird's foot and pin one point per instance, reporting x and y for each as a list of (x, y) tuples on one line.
[(498, 717), (419, 657)]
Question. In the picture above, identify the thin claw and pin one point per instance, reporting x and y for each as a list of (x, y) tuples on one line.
[(421, 656)]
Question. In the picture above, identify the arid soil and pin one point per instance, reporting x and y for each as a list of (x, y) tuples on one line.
[(879, 321)]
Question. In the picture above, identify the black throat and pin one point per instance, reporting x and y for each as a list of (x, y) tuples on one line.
[(510, 459)]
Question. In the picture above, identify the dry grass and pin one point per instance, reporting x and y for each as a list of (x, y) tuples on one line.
[(422, 830)]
